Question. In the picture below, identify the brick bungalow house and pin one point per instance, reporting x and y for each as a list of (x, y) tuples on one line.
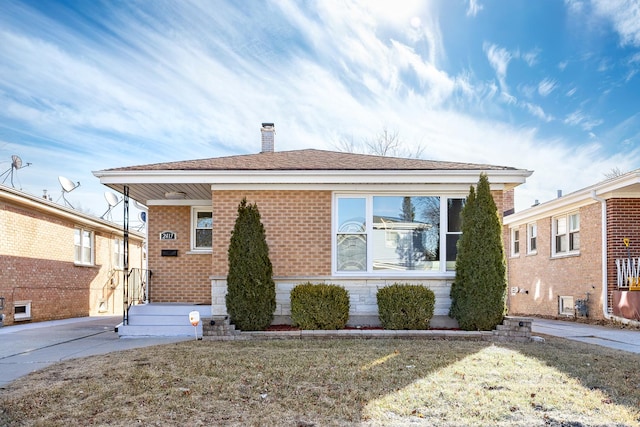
[(58, 263), (359, 221), (568, 256)]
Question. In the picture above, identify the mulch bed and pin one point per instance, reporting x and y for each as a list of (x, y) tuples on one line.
[(280, 328)]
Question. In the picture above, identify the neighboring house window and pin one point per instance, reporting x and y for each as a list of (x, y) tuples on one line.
[(83, 243), (532, 238), (397, 234), (566, 231), (118, 253), (202, 227), (22, 310), (515, 241)]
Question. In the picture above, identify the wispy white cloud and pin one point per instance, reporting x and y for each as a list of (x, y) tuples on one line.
[(187, 80), (579, 118), (530, 57), (474, 7), (546, 86), (624, 16), (499, 59)]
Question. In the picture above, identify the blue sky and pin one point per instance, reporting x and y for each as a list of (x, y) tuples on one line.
[(544, 85)]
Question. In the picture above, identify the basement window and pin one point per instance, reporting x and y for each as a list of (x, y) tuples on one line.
[(21, 310), (566, 307)]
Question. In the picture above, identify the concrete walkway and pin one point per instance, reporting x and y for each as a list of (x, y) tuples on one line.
[(27, 348), (620, 339)]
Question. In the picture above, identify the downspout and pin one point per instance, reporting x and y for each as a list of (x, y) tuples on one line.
[(605, 289)]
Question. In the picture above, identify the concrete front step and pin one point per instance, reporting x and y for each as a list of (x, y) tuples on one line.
[(125, 331), (163, 320)]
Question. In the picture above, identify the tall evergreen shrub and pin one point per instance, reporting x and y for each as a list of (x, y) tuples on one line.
[(251, 291), (479, 292)]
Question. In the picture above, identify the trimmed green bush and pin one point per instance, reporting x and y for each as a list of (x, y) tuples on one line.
[(404, 306), (317, 306), (251, 291), (478, 296)]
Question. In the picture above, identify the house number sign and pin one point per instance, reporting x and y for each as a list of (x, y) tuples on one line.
[(168, 235)]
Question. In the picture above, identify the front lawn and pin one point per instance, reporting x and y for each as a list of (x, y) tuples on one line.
[(335, 382)]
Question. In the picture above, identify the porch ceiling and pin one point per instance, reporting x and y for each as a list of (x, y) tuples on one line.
[(145, 192)]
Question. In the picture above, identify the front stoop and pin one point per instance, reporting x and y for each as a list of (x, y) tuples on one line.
[(513, 329), (218, 328)]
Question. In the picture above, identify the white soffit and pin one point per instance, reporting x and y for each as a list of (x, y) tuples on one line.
[(515, 176)]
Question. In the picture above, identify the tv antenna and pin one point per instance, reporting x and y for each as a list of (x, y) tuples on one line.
[(112, 201), (67, 187), (16, 163)]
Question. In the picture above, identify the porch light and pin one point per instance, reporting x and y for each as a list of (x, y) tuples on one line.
[(175, 195)]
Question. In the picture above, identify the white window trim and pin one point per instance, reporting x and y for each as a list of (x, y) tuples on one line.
[(529, 237), (568, 252), (369, 272), (514, 253), (118, 253), (92, 246), (22, 316), (194, 213)]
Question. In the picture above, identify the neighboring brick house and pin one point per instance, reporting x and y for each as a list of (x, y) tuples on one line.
[(330, 217), (58, 263), (567, 257)]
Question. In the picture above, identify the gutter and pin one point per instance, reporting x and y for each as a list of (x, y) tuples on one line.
[(605, 298)]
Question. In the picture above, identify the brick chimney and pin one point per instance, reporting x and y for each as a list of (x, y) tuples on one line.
[(268, 131)]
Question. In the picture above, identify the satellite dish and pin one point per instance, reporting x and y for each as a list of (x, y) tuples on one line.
[(67, 187), (113, 201), (142, 217), (140, 205), (16, 163)]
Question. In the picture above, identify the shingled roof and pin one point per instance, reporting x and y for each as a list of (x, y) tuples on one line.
[(308, 159)]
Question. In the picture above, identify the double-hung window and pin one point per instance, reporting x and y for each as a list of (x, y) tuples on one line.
[(515, 242), (201, 229), (566, 233), (83, 246), (532, 238), (118, 253), (396, 234)]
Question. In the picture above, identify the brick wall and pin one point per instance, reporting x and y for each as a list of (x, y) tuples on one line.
[(623, 221), (37, 265), (297, 227), (542, 279), (184, 278)]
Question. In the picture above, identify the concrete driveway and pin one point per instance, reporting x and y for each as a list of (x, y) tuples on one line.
[(27, 348)]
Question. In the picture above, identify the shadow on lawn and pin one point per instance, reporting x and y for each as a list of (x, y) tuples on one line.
[(335, 382)]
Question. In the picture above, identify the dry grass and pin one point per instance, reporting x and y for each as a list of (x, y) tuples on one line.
[(335, 382)]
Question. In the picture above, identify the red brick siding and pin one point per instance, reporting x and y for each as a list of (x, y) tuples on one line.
[(546, 278), (37, 265), (623, 220)]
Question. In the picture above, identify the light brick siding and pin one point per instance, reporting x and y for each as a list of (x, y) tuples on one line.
[(542, 279), (297, 227), (184, 278), (37, 265)]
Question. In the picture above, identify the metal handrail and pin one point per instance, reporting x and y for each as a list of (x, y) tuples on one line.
[(135, 290)]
